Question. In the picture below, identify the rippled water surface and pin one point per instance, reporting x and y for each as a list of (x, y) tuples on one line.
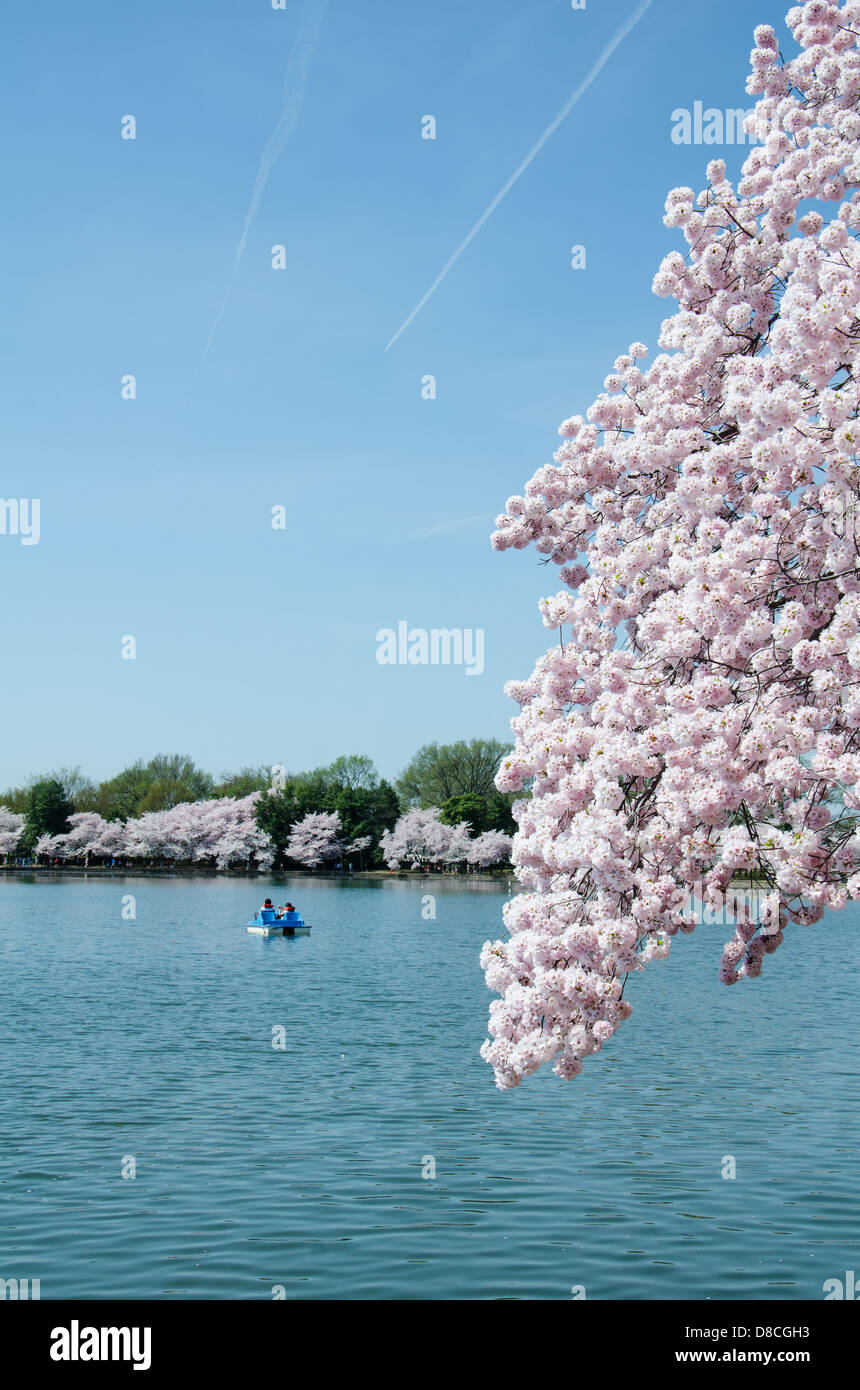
[(302, 1167)]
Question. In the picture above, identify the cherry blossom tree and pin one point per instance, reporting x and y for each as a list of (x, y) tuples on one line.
[(80, 841), (236, 836), (150, 836), (220, 832), (316, 839), (418, 837), (698, 717), (110, 841), (11, 829), (359, 845), (459, 844), (490, 848)]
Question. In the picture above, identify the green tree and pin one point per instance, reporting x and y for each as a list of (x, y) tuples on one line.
[(77, 788), (244, 782), (354, 771), (438, 772), (274, 814), (350, 786), (47, 811), (367, 811), (164, 781), (15, 799), (489, 812), (469, 807), (87, 797), (499, 816), (277, 811), (179, 779), (164, 793), (386, 811), (120, 796)]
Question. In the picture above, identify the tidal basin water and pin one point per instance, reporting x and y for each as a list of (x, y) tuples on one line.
[(258, 1168)]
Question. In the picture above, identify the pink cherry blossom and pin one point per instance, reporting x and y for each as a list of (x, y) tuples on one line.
[(11, 830), (699, 716), (493, 847), (316, 839), (220, 832), (418, 837)]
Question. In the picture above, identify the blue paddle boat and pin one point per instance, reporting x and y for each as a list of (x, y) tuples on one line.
[(267, 923)]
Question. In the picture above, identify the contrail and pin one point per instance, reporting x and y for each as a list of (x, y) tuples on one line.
[(295, 81), (535, 149)]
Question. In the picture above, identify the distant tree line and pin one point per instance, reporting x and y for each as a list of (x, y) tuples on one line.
[(456, 778)]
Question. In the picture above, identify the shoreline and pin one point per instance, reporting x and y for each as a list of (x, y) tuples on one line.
[(201, 871)]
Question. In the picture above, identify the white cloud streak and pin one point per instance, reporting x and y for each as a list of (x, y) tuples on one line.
[(580, 91), (295, 82)]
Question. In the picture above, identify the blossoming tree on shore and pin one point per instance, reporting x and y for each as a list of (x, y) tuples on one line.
[(493, 847), (699, 715), (218, 832), (224, 831), (11, 830), (420, 837), (316, 840)]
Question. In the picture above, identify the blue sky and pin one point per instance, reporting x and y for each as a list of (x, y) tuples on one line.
[(255, 645)]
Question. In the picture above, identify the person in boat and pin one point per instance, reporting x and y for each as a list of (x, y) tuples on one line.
[(289, 908), (268, 906)]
